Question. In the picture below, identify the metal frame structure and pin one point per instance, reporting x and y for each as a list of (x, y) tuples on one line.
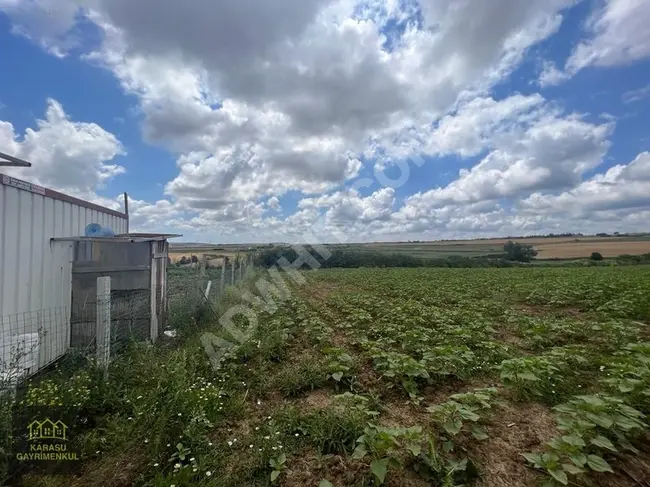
[(13, 161)]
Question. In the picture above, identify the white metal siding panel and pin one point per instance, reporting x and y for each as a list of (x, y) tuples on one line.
[(35, 273)]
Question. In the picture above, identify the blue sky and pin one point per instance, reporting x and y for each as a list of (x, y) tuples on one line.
[(232, 123)]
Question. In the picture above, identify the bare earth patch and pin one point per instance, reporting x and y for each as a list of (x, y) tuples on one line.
[(309, 468), (514, 430)]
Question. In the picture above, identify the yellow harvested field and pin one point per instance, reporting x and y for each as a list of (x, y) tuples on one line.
[(528, 241), (585, 247)]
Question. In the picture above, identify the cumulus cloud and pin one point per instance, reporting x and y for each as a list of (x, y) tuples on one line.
[(51, 23), (619, 35), (70, 156), (285, 98), (257, 99), (622, 187)]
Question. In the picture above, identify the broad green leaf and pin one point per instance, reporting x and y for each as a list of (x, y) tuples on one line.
[(627, 423), (559, 475), (479, 433), (572, 469), (282, 458), (574, 440), (625, 387), (603, 442), (593, 400), (602, 420), (325, 483), (598, 464), (527, 376), (379, 468), (359, 452), (534, 458), (448, 446), (274, 475), (453, 427), (469, 415), (337, 376), (580, 459)]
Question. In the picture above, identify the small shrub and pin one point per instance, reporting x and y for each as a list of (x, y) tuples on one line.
[(519, 252), (596, 256)]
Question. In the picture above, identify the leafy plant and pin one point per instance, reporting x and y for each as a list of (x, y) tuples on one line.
[(592, 426), (630, 375), (402, 367), (180, 455), (530, 376), (384, 446), (278, 465), (454, 414), (449, 360), (339, 364)]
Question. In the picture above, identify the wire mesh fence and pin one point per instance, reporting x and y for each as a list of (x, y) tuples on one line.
[(195, 292), (67, 352), (31, 341), (103, 324)]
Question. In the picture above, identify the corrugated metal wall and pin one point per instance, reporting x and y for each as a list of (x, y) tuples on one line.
[(35, 273)]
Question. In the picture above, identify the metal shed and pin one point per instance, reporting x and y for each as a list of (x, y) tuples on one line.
[(35, 284), (137, 267)]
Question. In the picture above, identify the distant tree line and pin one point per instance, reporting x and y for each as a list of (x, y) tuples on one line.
[(367, 258), (514, 254)]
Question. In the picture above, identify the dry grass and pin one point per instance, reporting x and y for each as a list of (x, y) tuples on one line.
[(584, 248)]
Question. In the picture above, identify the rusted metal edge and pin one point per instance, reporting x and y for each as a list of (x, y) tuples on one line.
[(50, 193)]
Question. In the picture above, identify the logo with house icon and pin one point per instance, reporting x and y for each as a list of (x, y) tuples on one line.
[(47, 430)]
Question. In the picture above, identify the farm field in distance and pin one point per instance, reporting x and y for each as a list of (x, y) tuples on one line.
[(548, 247), (512, 377)]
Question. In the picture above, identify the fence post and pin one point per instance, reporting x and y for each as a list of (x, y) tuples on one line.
[(103, 335), (223, 278), (241, 269), (232, 277), (207, 291)]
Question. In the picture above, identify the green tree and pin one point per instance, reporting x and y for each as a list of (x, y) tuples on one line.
[(519, 252)]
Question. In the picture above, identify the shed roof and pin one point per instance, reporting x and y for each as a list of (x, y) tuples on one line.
[(49, 193), (124, 237)]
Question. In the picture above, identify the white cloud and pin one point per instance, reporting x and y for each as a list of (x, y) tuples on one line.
[(70, 156), (636, 95), (551, 75), (623, 187), (265, 100), (51, 23), (258, 99), (547, 153), (619, 35)]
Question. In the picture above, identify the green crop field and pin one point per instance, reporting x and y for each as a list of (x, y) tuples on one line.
[(401, 377)]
